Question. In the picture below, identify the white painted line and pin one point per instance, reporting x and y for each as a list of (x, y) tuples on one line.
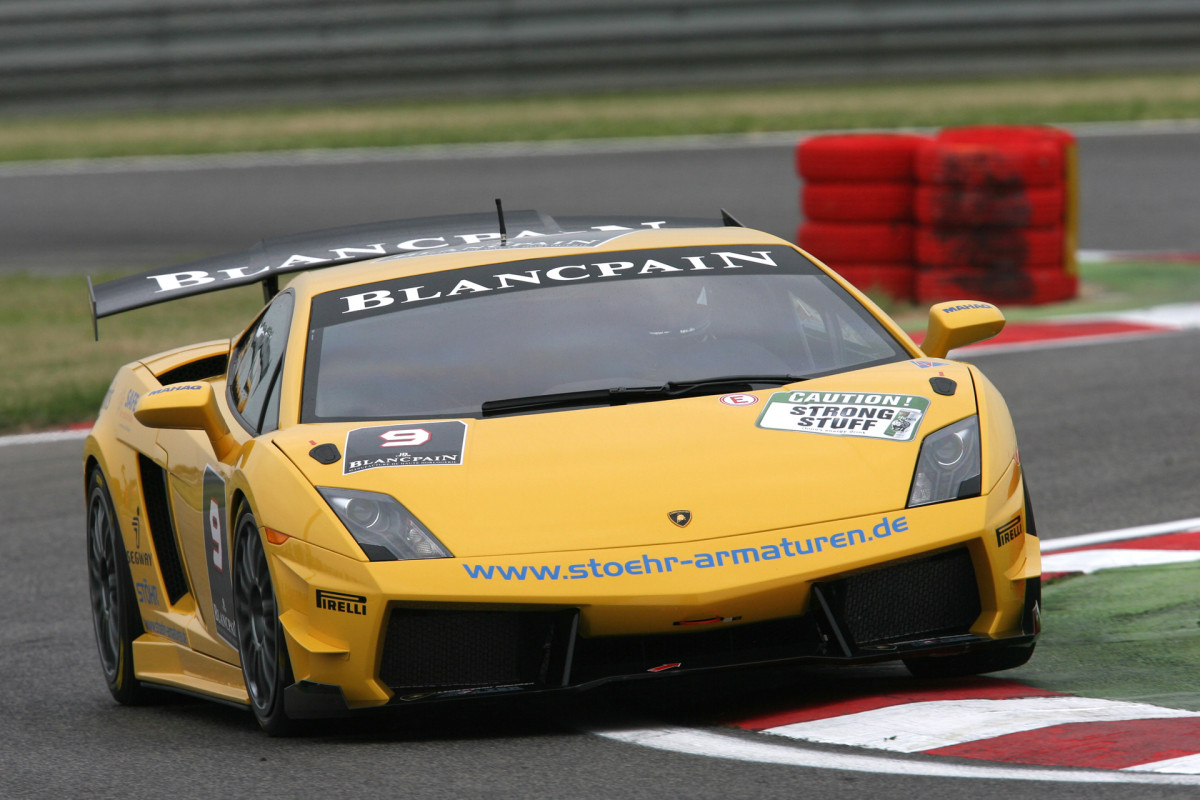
[(46, 436), (1185, 765), (375, 155), (366, 155), (916, 727), (1052, 344), (1175, 316), (1088, 561), (713, 745), (1123, 534)]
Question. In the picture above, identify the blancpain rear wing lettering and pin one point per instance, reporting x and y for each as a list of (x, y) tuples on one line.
[(270, 258)]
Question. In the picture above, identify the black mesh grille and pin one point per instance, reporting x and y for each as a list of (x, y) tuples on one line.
[(198, 370), (162, 531), (449, 649), (935, 596)]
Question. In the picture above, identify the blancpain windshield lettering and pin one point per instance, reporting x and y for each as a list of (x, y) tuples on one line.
[(717, 260)]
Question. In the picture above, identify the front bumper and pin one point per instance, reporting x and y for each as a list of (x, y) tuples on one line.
[(942, 579)]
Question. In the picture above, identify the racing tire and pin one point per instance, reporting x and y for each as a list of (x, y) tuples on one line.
[(1032, 287), (952, 205), (857, 202), (845, 243), (261, 645), (995, 248), (115, 616), (997, 167), (975, 663), (1007, 134), (897, 281), (858, 157)]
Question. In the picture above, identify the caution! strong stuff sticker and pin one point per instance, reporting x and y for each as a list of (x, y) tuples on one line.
[(873, 416)]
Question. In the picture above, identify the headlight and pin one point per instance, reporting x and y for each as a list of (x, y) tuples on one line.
[(384, 529), (949, 466)]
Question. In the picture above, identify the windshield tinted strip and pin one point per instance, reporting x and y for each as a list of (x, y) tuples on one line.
[(344, 305)]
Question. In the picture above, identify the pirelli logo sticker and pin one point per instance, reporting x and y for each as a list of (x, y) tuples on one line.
[(1009, 531), (872, 416)]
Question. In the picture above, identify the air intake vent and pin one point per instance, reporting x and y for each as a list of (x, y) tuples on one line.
[(935, 596), (439, 650), (210, 367), (162, 531)]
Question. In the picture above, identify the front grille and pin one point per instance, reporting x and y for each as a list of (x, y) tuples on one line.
[(443, 649), (934, 596)]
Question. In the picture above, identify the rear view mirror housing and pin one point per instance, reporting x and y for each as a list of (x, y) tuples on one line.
[(958, 323), (189, 407)]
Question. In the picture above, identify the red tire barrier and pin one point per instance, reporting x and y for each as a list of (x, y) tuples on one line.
[(857, 202), (988, 248), (894, 280), (936, 204), (866, 243), (1023, 286), (998, 167), (1003, 134), (870, 157)]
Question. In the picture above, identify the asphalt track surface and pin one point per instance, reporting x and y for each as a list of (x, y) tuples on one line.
[(1138, 190), (1107, 435)]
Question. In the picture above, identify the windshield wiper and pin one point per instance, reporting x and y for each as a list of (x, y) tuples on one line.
[(730, 383), (621, 395)]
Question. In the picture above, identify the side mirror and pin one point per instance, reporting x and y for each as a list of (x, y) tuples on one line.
[(189, 407), (959, 323)]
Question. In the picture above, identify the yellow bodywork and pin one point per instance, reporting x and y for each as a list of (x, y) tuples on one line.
[(568, 509)]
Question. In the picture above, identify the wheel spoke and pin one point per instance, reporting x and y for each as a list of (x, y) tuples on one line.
[(102, 582), (258, 626)]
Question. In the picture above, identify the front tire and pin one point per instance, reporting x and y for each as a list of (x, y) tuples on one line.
[(976, 663), (261, 645), (115, 616)]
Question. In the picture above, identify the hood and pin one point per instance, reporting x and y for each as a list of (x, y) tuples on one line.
[(592, 478)]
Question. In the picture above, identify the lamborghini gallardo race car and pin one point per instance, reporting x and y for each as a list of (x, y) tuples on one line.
[(467, 455)]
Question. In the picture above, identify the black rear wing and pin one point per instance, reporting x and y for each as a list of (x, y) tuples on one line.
[(266, 261)]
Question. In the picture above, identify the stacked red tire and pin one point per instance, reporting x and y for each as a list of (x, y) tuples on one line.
[(994, 207), (857, 203)]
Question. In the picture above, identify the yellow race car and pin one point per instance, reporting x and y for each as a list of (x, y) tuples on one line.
[(465, 455)]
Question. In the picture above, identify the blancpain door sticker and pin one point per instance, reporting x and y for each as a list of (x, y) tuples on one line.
[(414, 445), (874, 416)]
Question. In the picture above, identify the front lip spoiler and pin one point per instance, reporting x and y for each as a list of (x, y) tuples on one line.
[(310, 700), (943, 646)]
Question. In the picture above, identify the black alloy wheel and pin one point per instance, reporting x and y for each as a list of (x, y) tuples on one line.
[(115, 615), (261, 643)]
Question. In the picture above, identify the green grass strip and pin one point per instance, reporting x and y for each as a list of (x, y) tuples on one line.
[(1121, 634), (927, 104), (55, 374)]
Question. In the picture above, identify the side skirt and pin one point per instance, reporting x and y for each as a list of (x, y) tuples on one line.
[(172, 666)]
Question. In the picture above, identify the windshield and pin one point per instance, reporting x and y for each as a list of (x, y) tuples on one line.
[(444, 344)]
